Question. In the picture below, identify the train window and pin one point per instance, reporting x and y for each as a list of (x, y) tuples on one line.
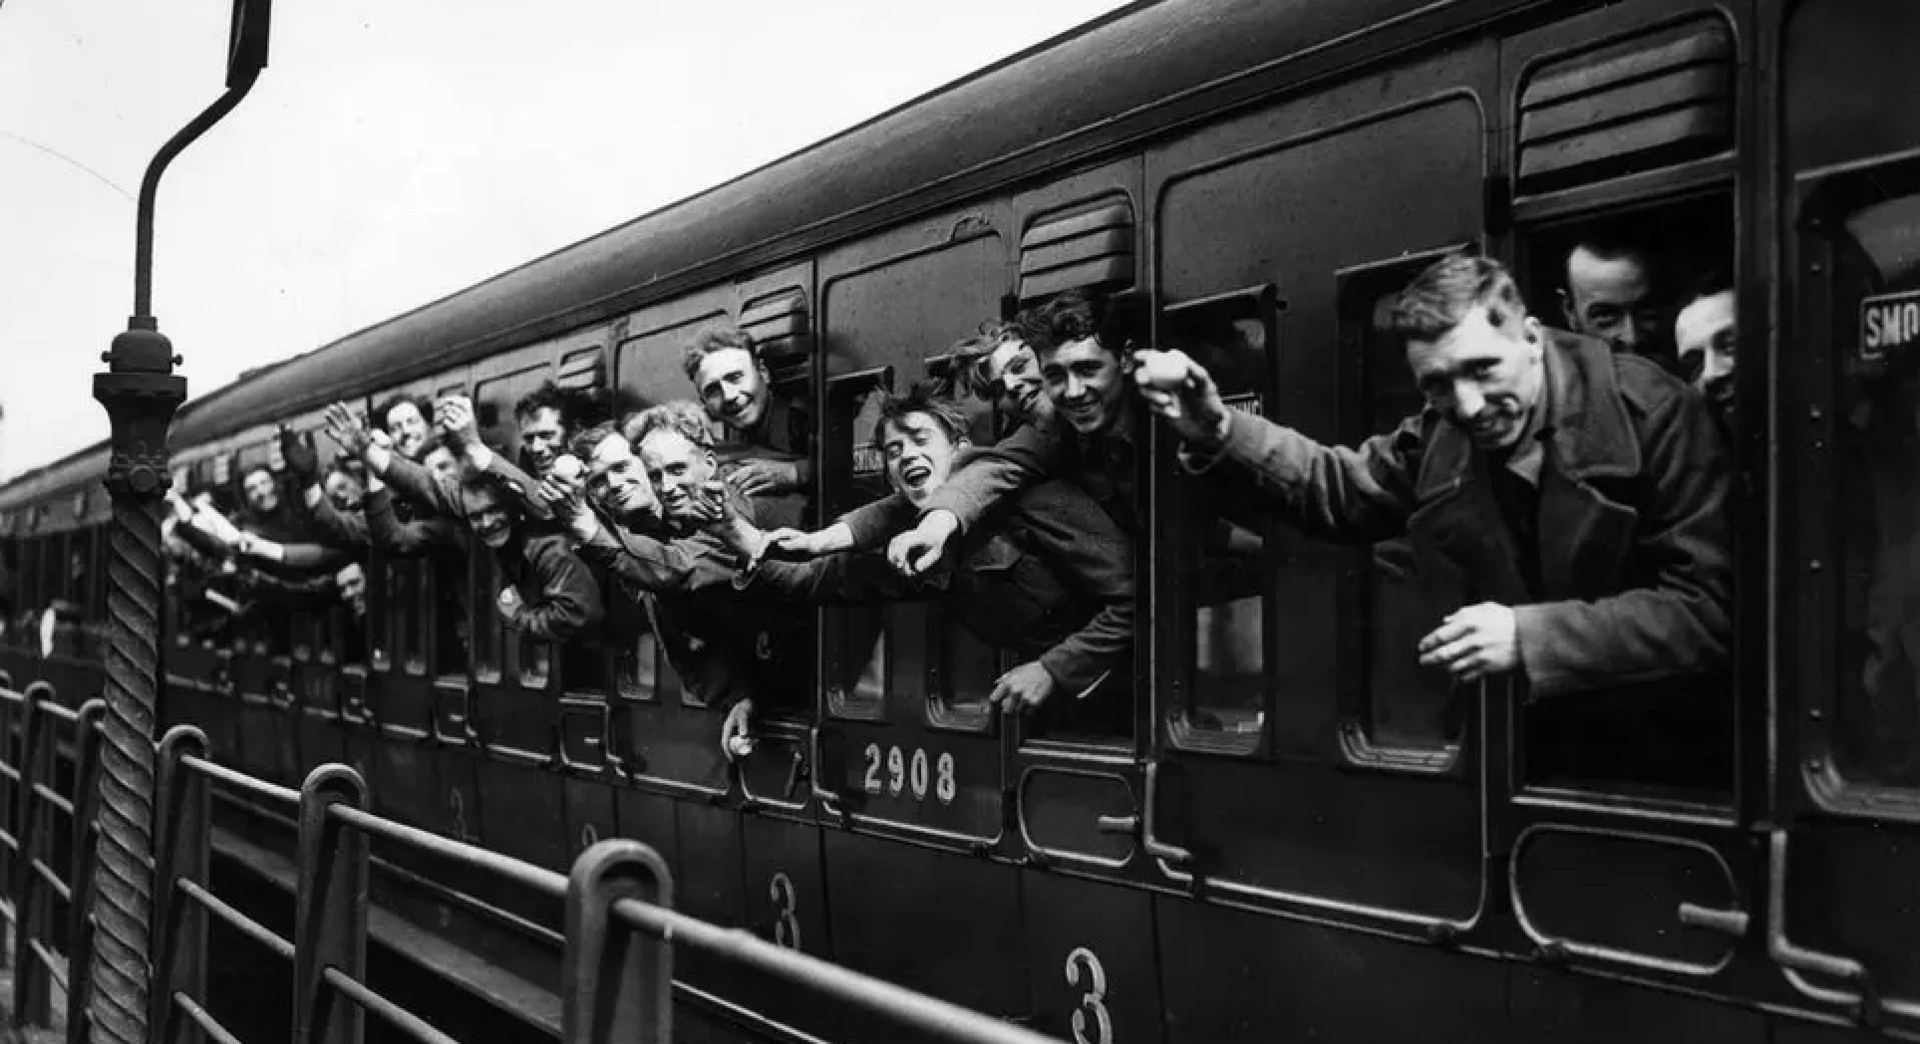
[(862, 642), (1624, 277), (1872, 233), (1394, 715), (1224, 561)]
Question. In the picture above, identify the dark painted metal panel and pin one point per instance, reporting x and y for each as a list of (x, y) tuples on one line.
[(1234, 975), (945, 924), (1574, 1009)]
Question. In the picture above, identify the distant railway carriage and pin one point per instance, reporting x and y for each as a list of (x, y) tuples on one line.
[(1304, 837)]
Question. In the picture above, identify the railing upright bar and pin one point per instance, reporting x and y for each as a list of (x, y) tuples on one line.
[(330, 909), (619, 982), (11, 748), (86, 778), (32, 997), (182, 846)]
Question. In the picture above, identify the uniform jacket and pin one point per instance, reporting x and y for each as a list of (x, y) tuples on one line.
[(559, 598), (724, 646), (1053, 581), (1635, 567)]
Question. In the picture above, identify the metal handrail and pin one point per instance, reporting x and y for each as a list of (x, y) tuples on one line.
[(876, 996), (393, 1014), (241, 780), (520, 872)]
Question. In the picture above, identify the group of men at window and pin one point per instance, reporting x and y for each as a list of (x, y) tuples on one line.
[(1568, 486)]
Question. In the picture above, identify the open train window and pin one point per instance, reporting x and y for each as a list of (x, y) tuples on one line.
[(1860, 266), (1627, 276), (1394, 715), (860, 641), (1224, 560)]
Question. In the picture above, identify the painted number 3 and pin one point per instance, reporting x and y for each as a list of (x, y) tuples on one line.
[(1091, 1023), (786, 925), (895, 771)]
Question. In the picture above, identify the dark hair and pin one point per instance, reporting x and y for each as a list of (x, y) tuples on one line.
[(687, 418), (967, 371), (386, 406), (583, 443), (1717, 279), (1114, 319), (1608, 245), (921, 398), (1441, 295), (716, 339)]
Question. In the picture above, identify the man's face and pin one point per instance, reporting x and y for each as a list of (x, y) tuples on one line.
[(1704, 333), (1485, 379), (353, 586), (262, 493), (919, 455), (543, 438), (408, 429), (1085, 382), (617, 480), (1612, 299), (677, 468), (733, 388), (441, 461), (1013, 382), (344, 491), (487, 513)]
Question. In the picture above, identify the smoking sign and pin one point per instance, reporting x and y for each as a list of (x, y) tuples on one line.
[(1889, 322)]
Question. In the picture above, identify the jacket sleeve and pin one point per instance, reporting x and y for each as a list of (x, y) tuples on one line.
[(1021, 460), (874, 522), (1095, 558), (306, 559), (337, 526), (567, 600), (418, 484), (844, 578), (1348, 495), (1678, 623), (406, 539), (642, 565)]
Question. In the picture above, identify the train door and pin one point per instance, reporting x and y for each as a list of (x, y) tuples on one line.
[(909, 748), (1076, 773), (1840, 921), (784, 886), (678, 779), (261, 636), (1619, 815), (1301, 764), (318, 634)]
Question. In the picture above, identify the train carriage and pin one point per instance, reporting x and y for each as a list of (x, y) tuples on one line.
[(1302, 834)]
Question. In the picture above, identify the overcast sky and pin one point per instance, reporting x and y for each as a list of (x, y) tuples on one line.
[(393, 152)]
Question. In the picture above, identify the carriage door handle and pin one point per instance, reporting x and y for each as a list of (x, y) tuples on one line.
[(1726, 922)]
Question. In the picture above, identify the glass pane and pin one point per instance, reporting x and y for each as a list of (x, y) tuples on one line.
[(536, 661), (1226, 562), (409, 602), (1876, 321), (486, 629)]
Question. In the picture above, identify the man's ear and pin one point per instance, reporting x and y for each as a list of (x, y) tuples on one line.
[(1567, 309)]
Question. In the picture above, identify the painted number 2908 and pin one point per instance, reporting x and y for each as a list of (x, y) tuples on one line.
[(895, 771)]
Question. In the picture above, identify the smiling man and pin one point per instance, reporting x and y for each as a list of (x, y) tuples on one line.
[(1051, 580), (733, 385), (728, 651), (1081, 343), (1578, 494)]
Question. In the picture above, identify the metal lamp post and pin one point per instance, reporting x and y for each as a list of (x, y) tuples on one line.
[(141, 393)]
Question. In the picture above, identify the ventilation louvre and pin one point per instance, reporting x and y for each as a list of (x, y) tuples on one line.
[(1649, 102), (1087, 249), (581, 370), (778, 324)]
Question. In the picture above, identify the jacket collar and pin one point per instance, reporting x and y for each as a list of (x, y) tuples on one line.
[(1585, 423)]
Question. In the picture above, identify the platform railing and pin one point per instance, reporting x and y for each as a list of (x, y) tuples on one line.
[(619, 929), (33, 726)]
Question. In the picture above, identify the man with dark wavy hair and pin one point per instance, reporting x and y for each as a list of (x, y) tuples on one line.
[(1578, 494), (1082, 342), (1049, 577)]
